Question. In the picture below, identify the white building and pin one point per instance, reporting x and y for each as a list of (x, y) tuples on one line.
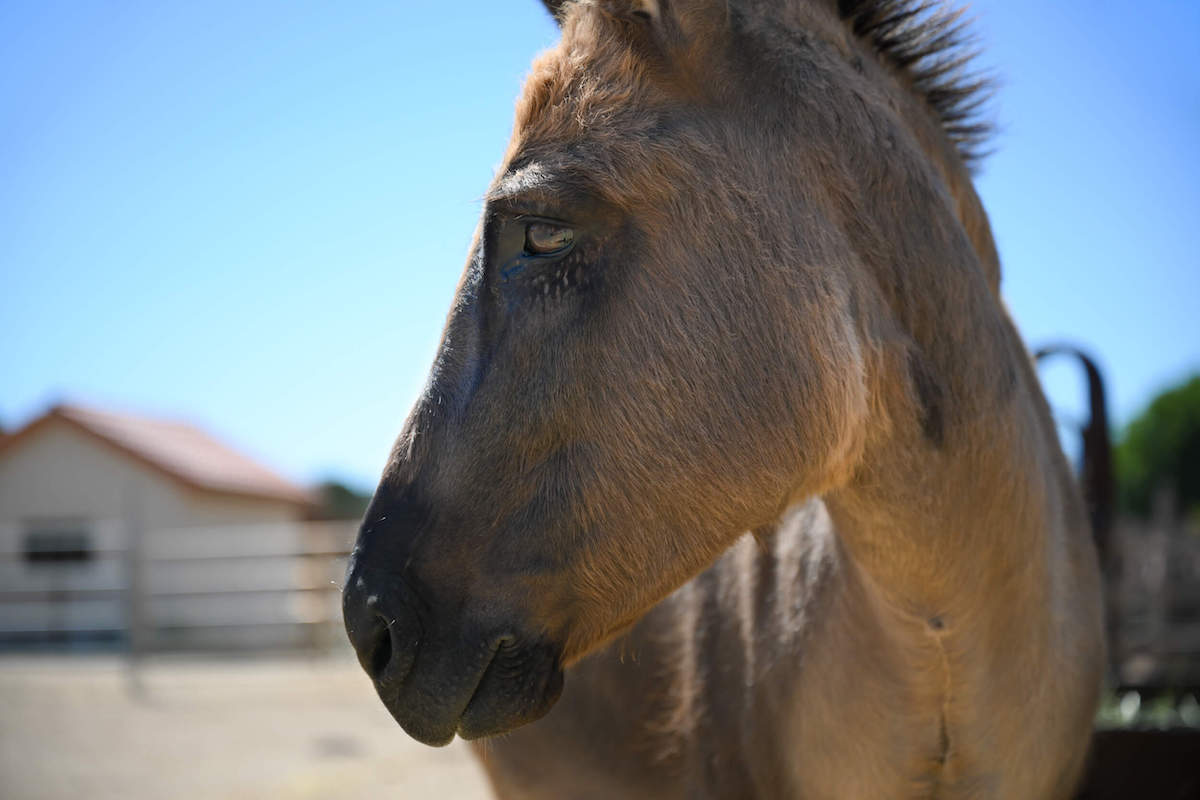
[(108, 519)]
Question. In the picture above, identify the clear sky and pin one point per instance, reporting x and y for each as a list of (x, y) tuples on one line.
[(253, 215)]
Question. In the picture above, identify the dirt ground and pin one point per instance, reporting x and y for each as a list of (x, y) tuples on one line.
[(246, 729)]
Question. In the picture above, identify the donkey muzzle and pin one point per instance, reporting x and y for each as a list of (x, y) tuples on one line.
[(439, 670)]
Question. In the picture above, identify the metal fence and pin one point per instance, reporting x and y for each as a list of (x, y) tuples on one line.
[(222, 587), (254, 587), (1155, 598)]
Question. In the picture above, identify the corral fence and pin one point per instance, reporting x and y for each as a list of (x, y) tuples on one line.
[(1154, 596), (227, 587), (277, 586), (1151, 568)]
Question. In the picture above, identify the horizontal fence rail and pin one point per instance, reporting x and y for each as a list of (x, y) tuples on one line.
[(278, 586), (223, 587), (1155, 597)]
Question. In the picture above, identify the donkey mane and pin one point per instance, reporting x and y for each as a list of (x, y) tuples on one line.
[(930, 45)]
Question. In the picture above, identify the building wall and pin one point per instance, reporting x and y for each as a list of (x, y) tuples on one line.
[(61, 471), (213, 565)]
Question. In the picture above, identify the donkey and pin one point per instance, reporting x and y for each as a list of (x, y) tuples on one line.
[(730, 425)]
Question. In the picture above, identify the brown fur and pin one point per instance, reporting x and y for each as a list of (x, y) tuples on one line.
[(781, 315)]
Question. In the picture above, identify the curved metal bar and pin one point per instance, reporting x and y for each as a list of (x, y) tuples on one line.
[(1097, 478), (1098, 486)]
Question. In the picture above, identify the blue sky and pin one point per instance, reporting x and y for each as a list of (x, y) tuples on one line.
[(253, 215)]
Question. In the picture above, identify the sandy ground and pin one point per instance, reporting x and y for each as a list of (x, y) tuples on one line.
[(252, 729)]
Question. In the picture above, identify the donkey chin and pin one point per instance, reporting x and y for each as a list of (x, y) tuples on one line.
[(453, 674)]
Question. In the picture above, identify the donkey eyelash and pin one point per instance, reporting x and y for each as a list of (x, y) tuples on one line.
[(546, 276), (552, 284)]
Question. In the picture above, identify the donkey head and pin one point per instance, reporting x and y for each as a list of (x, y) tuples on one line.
[(655, 346)]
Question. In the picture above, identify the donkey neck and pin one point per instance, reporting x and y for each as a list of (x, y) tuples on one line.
[(961, 487), (961, 490), (940, 527), (973, 557)]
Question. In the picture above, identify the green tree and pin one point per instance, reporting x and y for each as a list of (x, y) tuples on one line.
[(339, 501), (1161, 448)]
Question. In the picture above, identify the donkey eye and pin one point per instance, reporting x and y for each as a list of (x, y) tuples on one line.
[(545, 238)]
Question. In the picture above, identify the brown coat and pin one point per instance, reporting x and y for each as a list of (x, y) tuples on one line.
[(733, 276)]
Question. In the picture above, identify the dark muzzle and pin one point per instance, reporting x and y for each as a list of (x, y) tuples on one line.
[(443, 663)]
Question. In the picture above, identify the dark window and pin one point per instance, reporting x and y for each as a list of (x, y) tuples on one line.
[(45, 545)]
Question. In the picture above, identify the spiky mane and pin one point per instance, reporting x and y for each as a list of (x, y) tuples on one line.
[(931, 45)]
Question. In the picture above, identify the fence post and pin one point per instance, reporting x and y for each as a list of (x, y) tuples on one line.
[(1164, 516), (137, 614)]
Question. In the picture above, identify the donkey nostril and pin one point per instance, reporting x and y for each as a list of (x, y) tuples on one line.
[(382, 654), (384, 631)]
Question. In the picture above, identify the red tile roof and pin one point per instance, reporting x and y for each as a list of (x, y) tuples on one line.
[(181, 451)]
